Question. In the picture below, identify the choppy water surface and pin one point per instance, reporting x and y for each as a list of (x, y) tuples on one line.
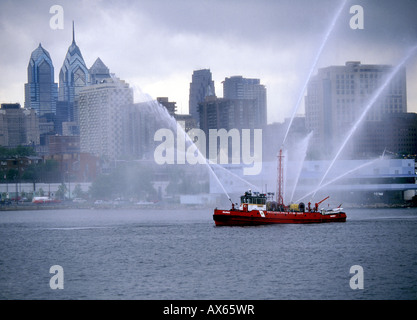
[(151, 254)]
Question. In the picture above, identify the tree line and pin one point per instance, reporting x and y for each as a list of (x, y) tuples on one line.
[(129, 180)]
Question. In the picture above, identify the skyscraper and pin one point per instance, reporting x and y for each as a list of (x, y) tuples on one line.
[(139, 125), (338, 95), (201, 86), (221, 113), (229, 114), (73, 76), (98, 72), (238, 87), (102, 107), (41, 92)]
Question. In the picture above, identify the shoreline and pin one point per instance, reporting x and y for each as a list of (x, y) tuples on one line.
[(165, 206), (30, 207)]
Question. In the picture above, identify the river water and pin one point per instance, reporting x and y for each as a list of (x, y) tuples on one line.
[(180, 254)]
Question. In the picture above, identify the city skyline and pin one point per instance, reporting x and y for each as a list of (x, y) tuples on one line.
[(156, 45)]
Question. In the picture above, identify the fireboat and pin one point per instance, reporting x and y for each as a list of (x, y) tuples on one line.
[(261, 208)]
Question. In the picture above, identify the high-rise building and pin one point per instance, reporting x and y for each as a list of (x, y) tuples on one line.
[(220, 113), (18, 126), (41, 91), (169, 105), (238, 87), (201, 86), (395, 133), (98, 72), (73, 76), (139, 123), (101, 108), (338, 95)]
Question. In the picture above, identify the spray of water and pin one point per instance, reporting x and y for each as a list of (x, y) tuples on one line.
[(313, 66), (171, 122), (252, 186), (367, 108), (338, 178), (300, 155)]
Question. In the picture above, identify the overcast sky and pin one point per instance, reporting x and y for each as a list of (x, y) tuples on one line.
[(155, 45)]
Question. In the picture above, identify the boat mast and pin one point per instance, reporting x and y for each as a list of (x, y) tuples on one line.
[(280, 182)]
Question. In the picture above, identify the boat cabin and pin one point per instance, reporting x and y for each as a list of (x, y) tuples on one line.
[(255, 200)]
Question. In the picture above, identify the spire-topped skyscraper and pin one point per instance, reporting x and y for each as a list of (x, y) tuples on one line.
[(73, 76), (41, 91)]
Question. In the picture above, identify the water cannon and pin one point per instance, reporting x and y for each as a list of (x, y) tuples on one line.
[(316, 205)]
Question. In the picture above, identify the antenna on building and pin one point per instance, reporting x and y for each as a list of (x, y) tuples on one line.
[(73, 33)]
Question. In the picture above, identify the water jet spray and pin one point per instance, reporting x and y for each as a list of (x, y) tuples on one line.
[(368, 107), (313, 66)]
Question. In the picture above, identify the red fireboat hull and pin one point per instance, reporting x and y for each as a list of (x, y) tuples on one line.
[(256, 217)]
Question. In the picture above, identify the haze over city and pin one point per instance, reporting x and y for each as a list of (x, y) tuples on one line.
[(156, 45), (137, 137)]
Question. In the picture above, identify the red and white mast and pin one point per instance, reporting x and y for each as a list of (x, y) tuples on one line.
[(280, 182)]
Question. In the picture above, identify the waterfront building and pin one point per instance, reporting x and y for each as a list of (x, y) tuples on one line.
[(350, 182)]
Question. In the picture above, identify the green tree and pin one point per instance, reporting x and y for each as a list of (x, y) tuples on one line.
[(78, 192), (61, 192), (20, 151), (31, 173), (12, 174)]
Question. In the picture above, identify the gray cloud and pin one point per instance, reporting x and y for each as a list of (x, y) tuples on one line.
[(156, 45)]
